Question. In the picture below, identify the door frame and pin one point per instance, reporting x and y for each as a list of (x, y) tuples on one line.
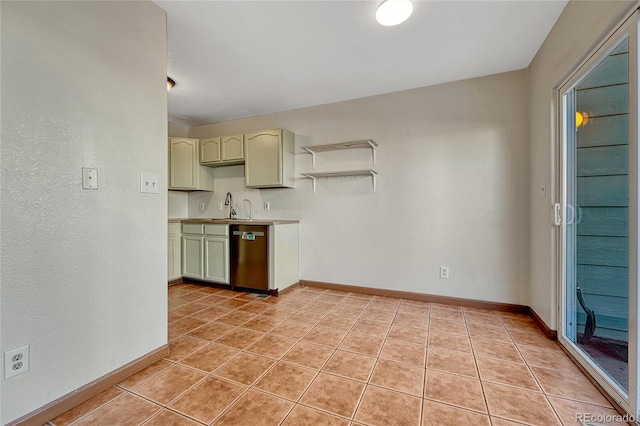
[(629, 27)]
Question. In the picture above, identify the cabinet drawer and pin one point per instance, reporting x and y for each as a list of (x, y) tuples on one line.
[(216, 229), (192, 228), (174, 228)]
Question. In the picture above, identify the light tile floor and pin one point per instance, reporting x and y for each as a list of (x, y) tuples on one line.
[(325, 357)]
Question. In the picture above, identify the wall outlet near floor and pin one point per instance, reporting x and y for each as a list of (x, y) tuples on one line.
[(201, 207), (267, 206), (16, 361), (444, 272)]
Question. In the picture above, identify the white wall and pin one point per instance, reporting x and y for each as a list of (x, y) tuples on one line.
[(177, 131), (579, 28), (83, 272), (452, 190), (178, 202)]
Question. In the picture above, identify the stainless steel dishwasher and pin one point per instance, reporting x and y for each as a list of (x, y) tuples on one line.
[(249, 253)]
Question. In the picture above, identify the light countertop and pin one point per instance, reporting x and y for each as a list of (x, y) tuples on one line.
[(236, 221)]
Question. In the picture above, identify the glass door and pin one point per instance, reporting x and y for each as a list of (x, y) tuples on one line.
[(599, 284)]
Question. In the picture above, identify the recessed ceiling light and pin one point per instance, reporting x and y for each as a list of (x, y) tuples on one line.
[(170, 84), (394, 12)]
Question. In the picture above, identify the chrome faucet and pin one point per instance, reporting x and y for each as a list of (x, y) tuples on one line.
[(250, 209), (229, 202)]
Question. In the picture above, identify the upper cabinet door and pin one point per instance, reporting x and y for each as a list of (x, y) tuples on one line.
[(263, 162), (222, 151), (269, 159), (232, 148), (183, 158), (185, 171), (210, 150)]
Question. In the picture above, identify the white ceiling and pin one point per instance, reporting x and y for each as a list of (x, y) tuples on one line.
[(237, 59)]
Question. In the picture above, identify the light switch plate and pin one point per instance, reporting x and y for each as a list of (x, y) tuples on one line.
[(89, 178), (150, 183)]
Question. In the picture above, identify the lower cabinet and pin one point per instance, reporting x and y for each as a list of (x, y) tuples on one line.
[(216, 259), (192, 249), (284, 255), (205, 252), (174, 243)]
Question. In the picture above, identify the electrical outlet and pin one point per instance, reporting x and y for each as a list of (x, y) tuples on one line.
[(543, 189), (89, 178), (444, 272), (201, 207), (267, 206), (220, 206), (16, 361)]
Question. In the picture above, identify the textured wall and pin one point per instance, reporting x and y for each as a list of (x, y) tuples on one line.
[(178, 131), (452, 190), (580, 27), (83, 272)]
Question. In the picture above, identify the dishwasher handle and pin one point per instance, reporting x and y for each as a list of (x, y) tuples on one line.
[(249, 235)]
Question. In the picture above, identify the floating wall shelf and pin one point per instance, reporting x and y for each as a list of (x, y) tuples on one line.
[(367, 143), (346, 173)]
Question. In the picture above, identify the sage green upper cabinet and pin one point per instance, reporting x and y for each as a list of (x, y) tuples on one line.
[(185, 171), (210, 151), (232, 148), (222, 151), (269, 159)]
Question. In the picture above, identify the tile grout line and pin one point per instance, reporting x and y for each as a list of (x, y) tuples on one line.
[(276, 362), (322, 410), (118, 397), (426, 361), (386, 338), (335, 349), (176, 412), (179, 395), (475, 361), (251, 386), (231, 404), (347, 331), (92, 411), (281, 359), (357, 407), (211, 374), (546, 397), (297, 308)]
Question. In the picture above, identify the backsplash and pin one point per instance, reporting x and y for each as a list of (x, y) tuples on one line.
[(178, 204)]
